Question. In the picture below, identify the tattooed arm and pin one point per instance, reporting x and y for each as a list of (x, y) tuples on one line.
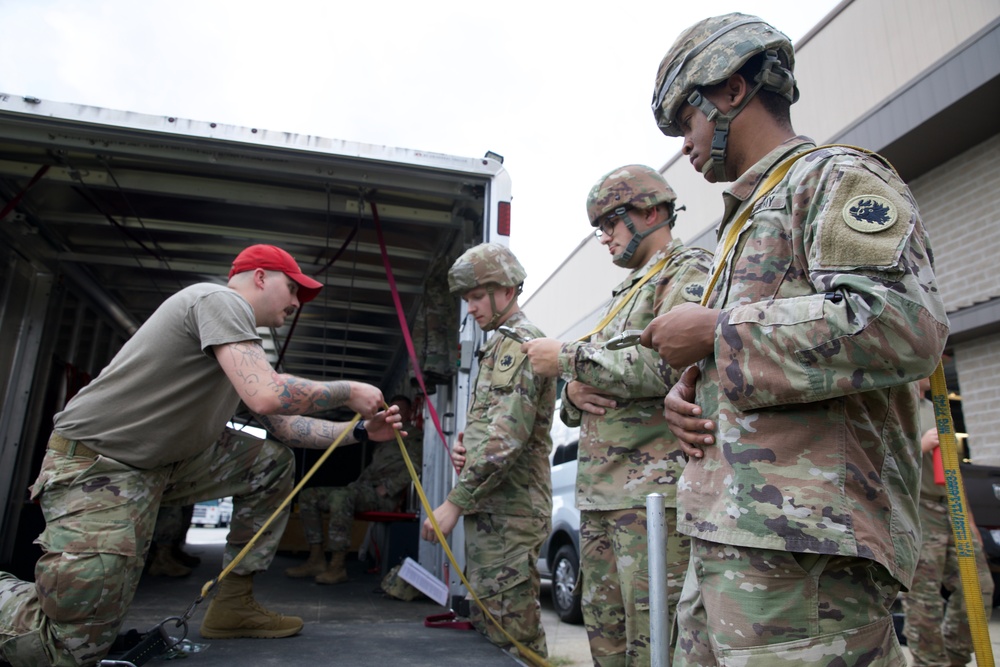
[(313, 433), (268, 392)]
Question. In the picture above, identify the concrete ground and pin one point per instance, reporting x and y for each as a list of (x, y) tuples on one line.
[(349, 624)]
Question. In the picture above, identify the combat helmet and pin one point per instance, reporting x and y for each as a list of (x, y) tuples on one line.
[(626, 188), (487, 265), (708, 53)]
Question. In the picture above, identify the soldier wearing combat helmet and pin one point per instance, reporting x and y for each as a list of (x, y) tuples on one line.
[(504, 490), (615, 396), (797, 414)]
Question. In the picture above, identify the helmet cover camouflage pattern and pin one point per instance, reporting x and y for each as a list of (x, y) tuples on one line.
[(711, 51), (633, 185), (484, 264)]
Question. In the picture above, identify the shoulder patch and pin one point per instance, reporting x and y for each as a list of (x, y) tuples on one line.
[(693, 292), (508, 358), (869, 214)]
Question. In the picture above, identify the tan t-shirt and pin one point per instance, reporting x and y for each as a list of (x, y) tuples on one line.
[(164, 397)]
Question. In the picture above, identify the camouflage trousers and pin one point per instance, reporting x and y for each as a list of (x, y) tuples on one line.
[(99, 516), (341, 502), (937, 632), (501, 554), (614, 566), (747, 607)]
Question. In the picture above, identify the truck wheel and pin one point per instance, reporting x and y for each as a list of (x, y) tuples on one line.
[(565, 569)]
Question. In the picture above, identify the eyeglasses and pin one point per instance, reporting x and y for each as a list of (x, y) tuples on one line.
[(606, 226)]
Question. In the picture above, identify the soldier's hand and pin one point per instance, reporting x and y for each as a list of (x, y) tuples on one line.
[(684, 417), (447, 515), (588, 398), (383, 425), (543, 353), (929, 440), (458, 453), (684, 335), (365, 399)]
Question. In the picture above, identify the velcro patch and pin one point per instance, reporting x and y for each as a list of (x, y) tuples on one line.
[(864, 222), (508, 358)]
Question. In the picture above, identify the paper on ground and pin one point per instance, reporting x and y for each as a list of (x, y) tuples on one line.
[(425, 582)]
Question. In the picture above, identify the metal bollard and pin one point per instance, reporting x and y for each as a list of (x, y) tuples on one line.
[(659, 613)]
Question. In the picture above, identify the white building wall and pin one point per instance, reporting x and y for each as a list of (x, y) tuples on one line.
[(978, 365)]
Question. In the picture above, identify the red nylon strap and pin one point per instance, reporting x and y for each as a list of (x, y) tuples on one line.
[(406, 328), (20, 195)]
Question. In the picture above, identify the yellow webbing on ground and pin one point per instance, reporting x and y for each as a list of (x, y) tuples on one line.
[(524, 651)]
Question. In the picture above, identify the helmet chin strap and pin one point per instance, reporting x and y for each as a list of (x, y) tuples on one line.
[(494, 321), (622, 259), (716, 162)]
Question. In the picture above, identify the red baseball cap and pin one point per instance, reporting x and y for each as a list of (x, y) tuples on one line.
[(273, 258)]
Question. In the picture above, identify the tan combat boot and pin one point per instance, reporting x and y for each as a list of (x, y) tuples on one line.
[(316, 564), (335, 572), (234, 613), (165, 565)]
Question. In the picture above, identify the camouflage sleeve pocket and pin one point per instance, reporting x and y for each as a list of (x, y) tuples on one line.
[(794, 310)]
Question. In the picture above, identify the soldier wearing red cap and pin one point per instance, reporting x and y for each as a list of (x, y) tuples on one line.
[(146, 431)]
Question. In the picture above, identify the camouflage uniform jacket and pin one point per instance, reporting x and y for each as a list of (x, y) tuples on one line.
[(388, 467), (507, 432), (629, 453), (827, 315)]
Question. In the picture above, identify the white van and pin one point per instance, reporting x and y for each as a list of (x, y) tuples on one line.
[(560, 555)]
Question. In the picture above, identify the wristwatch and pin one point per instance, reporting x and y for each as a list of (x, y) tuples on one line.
[(359, 432)]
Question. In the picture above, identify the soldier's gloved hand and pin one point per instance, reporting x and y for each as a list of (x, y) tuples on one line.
[(684, 417)]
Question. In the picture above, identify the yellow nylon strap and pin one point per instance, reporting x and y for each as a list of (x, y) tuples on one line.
[(525, 652), (958, 516), (737, 225), (329, 450), (656, 268)]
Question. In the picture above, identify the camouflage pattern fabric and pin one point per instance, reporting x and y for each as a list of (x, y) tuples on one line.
[(99, 517), (387, 468), (505, 489), (632, 185), (615, 593), (435, 337), (938, 635), (747, 607), (485, 264), (628, 453), (500, 556), (829, 309), (507, 438), (681, 71)]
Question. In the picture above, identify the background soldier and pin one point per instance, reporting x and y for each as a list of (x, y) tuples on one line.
[(626, 451), (505, 491), (802, 516), (379, 488)]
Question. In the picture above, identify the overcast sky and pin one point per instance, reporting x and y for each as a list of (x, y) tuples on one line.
[(560, 89)]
